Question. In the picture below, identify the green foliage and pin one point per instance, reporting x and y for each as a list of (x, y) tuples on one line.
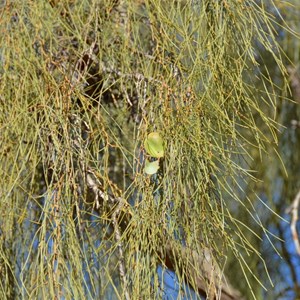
[(82, 84), (151, 167), (154, 145)]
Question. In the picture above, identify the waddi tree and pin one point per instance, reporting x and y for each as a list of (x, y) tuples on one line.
[(128, 132)]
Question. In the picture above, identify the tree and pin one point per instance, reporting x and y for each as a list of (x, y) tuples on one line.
[(86, 85)]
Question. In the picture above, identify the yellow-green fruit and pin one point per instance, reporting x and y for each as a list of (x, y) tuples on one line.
[(154, 145), (151, 167)]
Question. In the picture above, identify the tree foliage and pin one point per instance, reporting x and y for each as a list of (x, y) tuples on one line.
[(83, 84)]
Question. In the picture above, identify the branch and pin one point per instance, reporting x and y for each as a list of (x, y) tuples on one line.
[(293, 210), (211, 283)]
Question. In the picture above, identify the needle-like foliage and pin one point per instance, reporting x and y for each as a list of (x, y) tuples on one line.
[(83, 84)]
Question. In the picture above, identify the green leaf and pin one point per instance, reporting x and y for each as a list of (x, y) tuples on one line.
[(154, 145), (151, 167)]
